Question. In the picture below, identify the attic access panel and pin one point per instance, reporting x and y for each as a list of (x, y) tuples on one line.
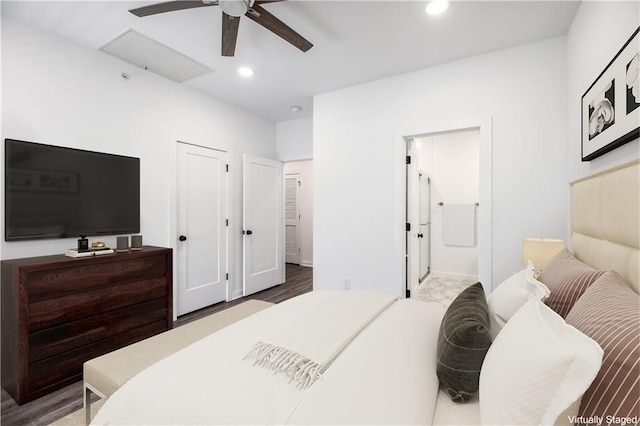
[(151, 55)]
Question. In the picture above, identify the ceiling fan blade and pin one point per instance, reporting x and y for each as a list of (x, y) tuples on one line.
[(169, 6), (259, 15), (229, 34)]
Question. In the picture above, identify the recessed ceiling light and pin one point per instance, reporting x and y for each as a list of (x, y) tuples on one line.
[(296, 108), (436, 7), (245, 72)]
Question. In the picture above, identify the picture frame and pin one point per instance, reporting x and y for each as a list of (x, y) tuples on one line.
[(611, 105)]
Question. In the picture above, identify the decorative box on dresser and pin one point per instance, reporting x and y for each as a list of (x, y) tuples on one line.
[(58, 312)]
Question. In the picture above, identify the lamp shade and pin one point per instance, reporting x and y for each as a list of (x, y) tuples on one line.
[(540, 250)]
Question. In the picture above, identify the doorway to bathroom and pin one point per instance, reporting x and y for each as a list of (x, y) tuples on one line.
[(443, 193)]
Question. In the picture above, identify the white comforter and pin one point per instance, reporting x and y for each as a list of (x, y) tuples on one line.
[(385, 375)]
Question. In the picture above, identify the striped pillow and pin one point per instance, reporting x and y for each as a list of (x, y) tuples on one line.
[(567, 278), (609, 313)]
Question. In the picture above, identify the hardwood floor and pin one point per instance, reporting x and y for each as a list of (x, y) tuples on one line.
[(56, 405)]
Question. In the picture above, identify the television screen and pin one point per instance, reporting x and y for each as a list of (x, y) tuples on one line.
[(57, 192)]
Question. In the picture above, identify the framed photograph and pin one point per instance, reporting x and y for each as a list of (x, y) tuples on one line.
[(611, 105)]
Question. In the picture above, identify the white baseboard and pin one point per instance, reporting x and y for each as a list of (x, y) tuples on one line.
[(307, 264), (236, 295)]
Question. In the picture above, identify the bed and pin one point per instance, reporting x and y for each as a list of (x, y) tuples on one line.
[(361, 357)]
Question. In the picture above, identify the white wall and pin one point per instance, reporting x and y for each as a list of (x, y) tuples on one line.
[(305, 170), (451, 160), (59, 93), (294, 139), (597, 33), (359, 214)]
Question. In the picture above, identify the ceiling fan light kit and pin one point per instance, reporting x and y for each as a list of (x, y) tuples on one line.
[(232, 10), (235, 8)]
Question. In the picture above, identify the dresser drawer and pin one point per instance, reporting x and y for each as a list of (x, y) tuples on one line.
[(52, 370), (63, 338), (77, 277), (52, 312)]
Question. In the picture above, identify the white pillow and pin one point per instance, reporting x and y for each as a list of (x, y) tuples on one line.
[(535, 288), (537, 368), (505, 300)]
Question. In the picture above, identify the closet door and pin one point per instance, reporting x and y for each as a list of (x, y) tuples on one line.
[(292, 218), (263, 224), (202, 232)]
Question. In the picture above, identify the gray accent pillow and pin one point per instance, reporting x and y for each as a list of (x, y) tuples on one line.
[(463, 341)]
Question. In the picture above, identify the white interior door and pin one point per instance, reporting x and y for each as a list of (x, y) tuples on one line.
[(263, 224), (413, 219), (202, 232), (424, 231), (292, 218)]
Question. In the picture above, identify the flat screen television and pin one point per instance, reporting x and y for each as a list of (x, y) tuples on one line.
[(58, 192)]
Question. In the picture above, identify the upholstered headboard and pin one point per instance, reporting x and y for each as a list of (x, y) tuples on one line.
[(605, 225)]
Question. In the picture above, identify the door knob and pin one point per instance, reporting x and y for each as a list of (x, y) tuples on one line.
[(182, 238), (248, 232), (420, 236)]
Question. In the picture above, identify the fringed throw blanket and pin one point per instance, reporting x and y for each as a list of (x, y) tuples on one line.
[(303, 350)]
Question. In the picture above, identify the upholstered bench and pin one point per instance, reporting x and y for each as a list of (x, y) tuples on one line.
[(105, 374)]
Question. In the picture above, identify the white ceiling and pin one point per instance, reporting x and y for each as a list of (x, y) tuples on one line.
[(354, 41)]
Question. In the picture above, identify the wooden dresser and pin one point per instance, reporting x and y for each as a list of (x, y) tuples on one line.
[(58, 312)]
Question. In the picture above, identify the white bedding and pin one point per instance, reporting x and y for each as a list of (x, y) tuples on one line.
[(449, 413), (304, 349), (369, 382), (386, 376), (209, 383)]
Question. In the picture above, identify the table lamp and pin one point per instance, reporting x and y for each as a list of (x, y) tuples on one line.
[(540, 250)]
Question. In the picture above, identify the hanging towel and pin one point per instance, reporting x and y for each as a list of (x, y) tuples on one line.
[(459, 225)]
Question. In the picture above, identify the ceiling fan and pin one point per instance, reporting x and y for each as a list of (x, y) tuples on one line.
[(232, 10)]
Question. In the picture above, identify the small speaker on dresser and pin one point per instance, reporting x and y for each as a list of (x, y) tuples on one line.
[(136, 242), (122, 243)]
